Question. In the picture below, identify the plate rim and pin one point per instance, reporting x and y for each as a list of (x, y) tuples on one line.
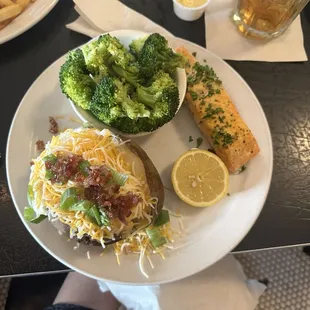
[(245, 232), (20, 31)]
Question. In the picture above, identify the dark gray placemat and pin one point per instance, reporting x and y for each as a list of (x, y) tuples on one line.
[(4, 289)]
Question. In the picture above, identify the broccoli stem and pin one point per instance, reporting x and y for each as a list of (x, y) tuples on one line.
[(146, 97)]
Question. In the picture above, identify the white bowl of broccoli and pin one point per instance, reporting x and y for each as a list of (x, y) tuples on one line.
[(129, 81)]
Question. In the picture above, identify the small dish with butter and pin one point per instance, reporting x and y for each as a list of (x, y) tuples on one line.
[(190, 10)]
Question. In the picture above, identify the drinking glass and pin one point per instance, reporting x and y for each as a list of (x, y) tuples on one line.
[(266, 19)]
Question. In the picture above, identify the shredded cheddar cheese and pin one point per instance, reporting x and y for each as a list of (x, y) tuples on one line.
[(140, 244), (98, 147)]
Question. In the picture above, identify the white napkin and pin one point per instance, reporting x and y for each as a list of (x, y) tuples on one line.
[(220, 287), (221, 35), (107, 15), (224, 40)]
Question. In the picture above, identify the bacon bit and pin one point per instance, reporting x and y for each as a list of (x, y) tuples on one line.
[(53, 125), (32, 163), (115, 207), (40, 145), (121, 206), (96, 183), (101, 195), (99, 175), (65, 168)]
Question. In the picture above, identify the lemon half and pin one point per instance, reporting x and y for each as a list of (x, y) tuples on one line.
[(200, 178)]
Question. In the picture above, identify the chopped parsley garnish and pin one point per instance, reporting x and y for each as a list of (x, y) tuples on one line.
[(217, 91), (190, 139), (199, 141), (194, 95), (210, 112), (202, 102), (206, 75), (206, 72), (210, 91), (221, 119), (222, 138), (191, 80), (194, 54)]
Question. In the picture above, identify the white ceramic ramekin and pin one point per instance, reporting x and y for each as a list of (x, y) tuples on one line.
[(189, 13)]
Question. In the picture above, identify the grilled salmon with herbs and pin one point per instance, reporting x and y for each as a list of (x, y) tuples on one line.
[(217, 116)]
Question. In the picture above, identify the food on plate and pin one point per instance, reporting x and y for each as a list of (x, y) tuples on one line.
[(217, 116), (153, 55), (10, 9), (40, 145), (200, 178), (96, 188), (53, 125), (152, 240), (129, 90)]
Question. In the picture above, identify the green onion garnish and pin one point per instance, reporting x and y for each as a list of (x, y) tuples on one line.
[(155, 236), (118, 178), (49, 174), (84, 167), (83, 206), (50, 158), (162, 219), (94, 216), (31, 216), (68, 198)]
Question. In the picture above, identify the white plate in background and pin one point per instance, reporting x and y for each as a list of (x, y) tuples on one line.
[(28, 18)]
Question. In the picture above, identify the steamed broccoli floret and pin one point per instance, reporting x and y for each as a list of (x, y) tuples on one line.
[(107, 56), (135, 46), (130, 96), (128, 125), (131, 74), (150, 95), (162, 97), (156, 55), (111, 102), (120, 56), (163, 111), (75, 81), (96, 57), (123, 63), (112, 105)]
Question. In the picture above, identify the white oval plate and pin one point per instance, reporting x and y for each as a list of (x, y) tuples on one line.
[(209, 233), (28, 18)]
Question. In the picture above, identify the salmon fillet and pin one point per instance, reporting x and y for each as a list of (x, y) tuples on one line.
[(216, 115)]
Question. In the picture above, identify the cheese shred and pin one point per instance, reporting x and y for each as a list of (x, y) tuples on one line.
[(98, 147)]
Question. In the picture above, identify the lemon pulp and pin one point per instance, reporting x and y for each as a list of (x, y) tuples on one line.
[(200, 178)]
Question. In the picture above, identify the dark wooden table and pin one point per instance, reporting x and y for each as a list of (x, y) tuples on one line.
[(282, 88)]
